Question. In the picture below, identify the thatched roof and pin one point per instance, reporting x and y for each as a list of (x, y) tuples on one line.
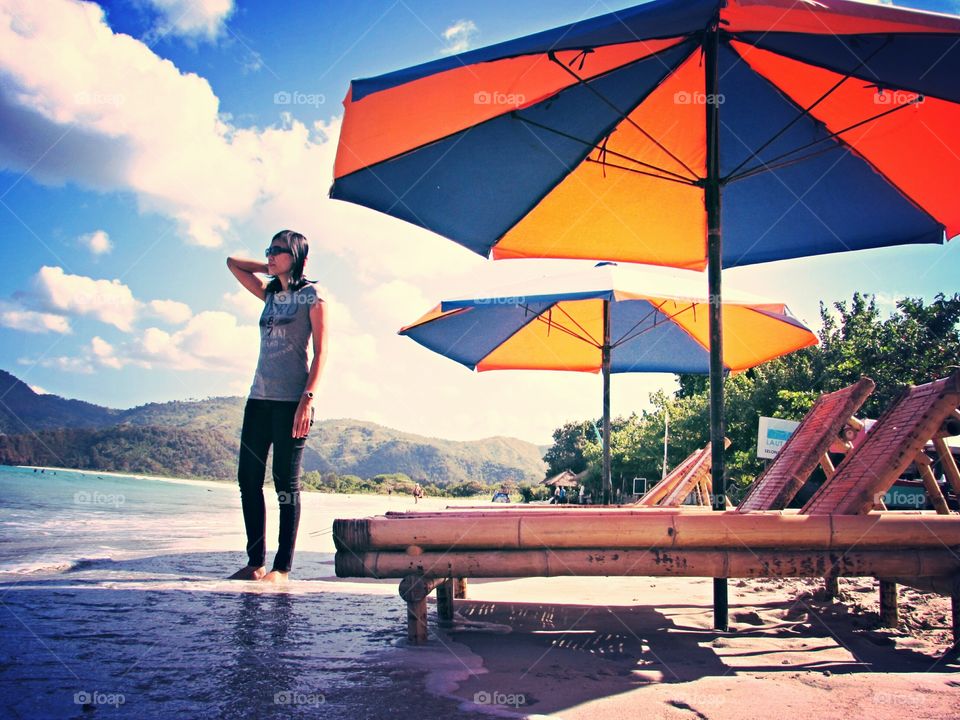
[(565, 479)]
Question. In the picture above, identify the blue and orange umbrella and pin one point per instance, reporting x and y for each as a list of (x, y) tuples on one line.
[(838, 129), (607, 319), (806, 126)]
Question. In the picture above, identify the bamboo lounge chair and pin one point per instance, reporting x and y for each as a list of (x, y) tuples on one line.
[(920, 414), (807, 446), (784, 477), (896, 440), (684, 476)]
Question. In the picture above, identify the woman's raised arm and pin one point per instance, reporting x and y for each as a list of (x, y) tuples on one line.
[(244, 271)]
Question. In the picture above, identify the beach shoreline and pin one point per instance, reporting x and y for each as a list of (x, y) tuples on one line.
[(137, 476), (148, 575)]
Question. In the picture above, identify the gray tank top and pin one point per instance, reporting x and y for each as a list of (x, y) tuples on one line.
[(284, 334)]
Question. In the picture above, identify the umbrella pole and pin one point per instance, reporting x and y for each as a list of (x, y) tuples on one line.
[(711, 46), (605, 361)]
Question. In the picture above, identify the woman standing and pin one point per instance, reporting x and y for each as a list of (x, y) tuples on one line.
[(279, 411)]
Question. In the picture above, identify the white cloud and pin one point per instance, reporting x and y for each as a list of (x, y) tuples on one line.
[(457, 37), (32, 321), (399, 302), (97, 242), (84, 104), (244, 304), (62, 363), (60, 294), (109, 301), (172, 311), (97, 354), (211, 340), (104, 353), (192, 18)]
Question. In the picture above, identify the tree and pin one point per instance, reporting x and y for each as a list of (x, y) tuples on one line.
[(569, 443), (469, 489)]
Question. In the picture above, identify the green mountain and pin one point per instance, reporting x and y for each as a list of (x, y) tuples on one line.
[(23, 410), (123, 448), (201, 439)]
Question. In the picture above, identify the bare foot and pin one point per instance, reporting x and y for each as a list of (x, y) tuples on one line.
[(249, 573), (276, 577)]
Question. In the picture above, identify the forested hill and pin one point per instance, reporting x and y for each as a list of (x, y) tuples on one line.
[(201, 438)]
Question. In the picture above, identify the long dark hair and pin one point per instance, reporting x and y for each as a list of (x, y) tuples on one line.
[(299, 247)]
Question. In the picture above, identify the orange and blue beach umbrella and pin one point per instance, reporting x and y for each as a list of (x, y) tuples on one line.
[(837, 128), (607, 319), (654, 323)]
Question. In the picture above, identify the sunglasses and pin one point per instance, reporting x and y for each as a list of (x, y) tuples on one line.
[(277, 250)]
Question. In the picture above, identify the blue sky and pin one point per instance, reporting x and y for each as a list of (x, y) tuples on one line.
[(145, 141)]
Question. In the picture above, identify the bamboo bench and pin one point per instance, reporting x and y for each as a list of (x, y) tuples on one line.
[(835, 535)]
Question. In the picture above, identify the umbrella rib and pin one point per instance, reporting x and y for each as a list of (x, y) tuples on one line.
[(627, 337), (625, 116), (681, 181), (675, 177), (772, 164), (586, 337), (808, 109), (786, 163), (624, 338)]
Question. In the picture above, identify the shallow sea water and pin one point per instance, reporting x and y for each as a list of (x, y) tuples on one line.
[(114, 605)]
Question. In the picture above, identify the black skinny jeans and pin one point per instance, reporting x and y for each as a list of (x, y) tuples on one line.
[(267, 422)]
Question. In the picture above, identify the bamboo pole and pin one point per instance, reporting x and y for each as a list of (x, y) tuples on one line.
[(665, 530), (565, 510), (747, 563), (826, 465), (414, 589), (831, 586), (930, 484), (948, 464), (889, 610), (942, 585), (445, 601)]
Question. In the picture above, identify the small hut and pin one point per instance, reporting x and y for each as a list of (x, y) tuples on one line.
[(564, 485)]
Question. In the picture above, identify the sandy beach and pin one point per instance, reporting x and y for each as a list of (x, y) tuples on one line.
[(644, 647), (138, 610)]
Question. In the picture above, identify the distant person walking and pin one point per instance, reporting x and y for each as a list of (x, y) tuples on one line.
[(279, 410), (417, 493)]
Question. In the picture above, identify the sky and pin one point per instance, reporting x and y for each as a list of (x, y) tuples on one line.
[(142, 142)]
